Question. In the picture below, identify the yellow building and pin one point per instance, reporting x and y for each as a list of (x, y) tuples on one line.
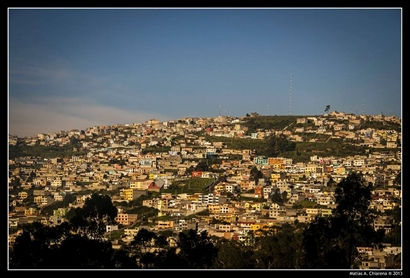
[(259, 228), (230, 218), (326, 212), (310, 168), (152, 176), (127, 194), (214, 208), (340, 170), (38, 200), (276, 161), (275, 177), (23, 195), (30, 212), (163, 225)]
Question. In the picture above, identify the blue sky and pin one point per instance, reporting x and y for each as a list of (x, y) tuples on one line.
[(74, 68)]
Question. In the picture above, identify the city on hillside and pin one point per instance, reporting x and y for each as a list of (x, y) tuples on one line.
[(238, 182)]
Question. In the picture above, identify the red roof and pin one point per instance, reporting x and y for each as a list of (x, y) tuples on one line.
[(153, 186)]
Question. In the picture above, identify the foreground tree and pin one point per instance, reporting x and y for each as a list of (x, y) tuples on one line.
[(280, 248), (196, 250), (97, 212), (233, 255), (45, 247), (331, 242)]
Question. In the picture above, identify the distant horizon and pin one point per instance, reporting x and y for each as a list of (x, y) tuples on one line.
[(75, 68), (194, 117)]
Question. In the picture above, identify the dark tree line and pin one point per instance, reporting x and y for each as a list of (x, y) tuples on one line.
[(77, 243), (331, 242), (326, 242)]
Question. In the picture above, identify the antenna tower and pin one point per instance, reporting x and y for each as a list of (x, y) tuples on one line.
[(290, 94)]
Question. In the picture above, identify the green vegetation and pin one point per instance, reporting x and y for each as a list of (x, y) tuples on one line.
[(238, 143), (380, 125), (21, 150), (83, 183), (116, 234), (156, 149), (255, 174), (97, 212), (334, 147), (307, 204), (191, 185), (271, 146), (394, 237), (208, 164), (279, 198), (319, 137), (268, 122), (331, 242), (166, 218), (204, 212), (234, 156)]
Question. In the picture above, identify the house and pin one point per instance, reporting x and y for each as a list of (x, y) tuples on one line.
[(274, 210), (60, 212), (22, 195), (110, 228), (153, 187), (129, 194), (301, 120), (165, 225), (140, 184), (260, 160), (131, 232), (56, 182), (126, 218)]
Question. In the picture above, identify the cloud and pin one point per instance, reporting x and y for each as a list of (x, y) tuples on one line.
[(54, 114), (59, 80)]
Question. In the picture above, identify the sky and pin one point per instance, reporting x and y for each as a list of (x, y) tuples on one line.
[(76, 68)]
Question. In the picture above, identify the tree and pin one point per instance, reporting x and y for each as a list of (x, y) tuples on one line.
[(197, 250), (353, 199), (349, 227), (280, 248), (78, 251), (161, 241), (202, 165), (331, 182), (327, 108), (15, 182), (35, 246), (40, 246), (255, 174), (397, 179), (277, 144), (143, 239), (394, 237), (98, 211), (233, 255), (31, 176), (316, 243), (277, 197)]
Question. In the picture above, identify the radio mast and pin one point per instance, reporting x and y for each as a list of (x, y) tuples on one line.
[(290, 94)]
